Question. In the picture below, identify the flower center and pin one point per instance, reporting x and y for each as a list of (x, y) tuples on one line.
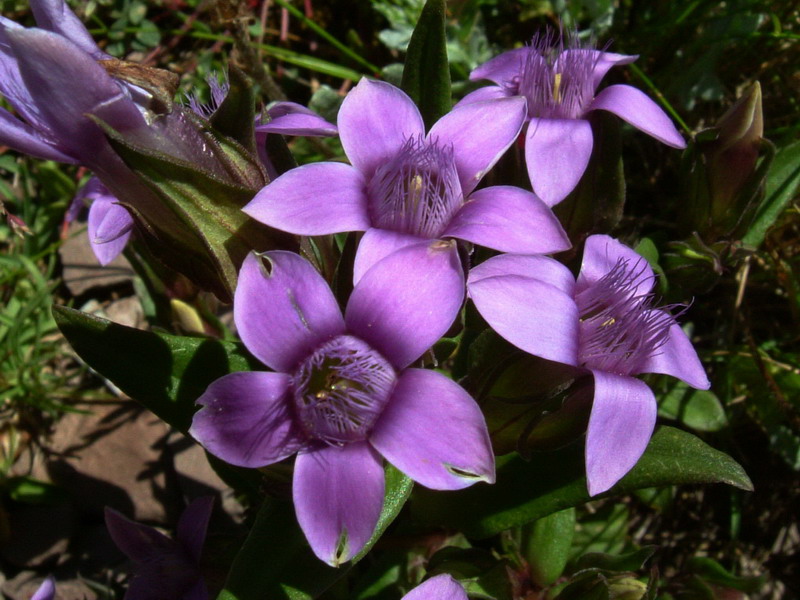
[(417, 191), (557, 82), (341, 389), (620, 328)]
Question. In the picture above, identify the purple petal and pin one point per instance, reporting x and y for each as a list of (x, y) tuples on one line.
[(140, 543), (603, 61), (557, 152), (531, 314), (508, 219), (315, 199), (374, 121), (338, 496), (68, 85), (193, 524), (606, 60), (489, 92), (245, 419), (479, 133), (24, 138), (636, 108), (377, 244), (602, 253), (46, 591), (283, 314), (56, 16), (434, 432), (441, 587), (621, 423), (110, 226), (503, 67), (542, 268), (290, 118), (677, 357), (407, 301)]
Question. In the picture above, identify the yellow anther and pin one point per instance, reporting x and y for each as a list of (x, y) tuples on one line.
[(557, 88)]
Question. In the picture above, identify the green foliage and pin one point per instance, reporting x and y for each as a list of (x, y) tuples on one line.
[(553, 481), (426, 75)]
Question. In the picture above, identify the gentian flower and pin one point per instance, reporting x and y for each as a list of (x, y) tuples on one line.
[(441, 587), (166, 569), (560, 85), (289, 118), (52, 79), (46, 591), (342, 393), (605, 324), (110, 223), (405, 186)]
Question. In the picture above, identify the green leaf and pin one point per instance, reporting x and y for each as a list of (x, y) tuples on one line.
[(713, 572), (426, 76), (782, 183), (276, 561), (165, 373), (698, 409), (235, 117), (553, 481), (33, 491), (630, 561), (546, 543)]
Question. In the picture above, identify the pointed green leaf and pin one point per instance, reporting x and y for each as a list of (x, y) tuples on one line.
[(276, 561), (547, 543), (235, 117), (165, 373), (553, 481), (426, 75), (783, 180)]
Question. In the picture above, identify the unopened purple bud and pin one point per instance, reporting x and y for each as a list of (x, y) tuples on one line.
[(341, 389), (620, 328), (417, 191)]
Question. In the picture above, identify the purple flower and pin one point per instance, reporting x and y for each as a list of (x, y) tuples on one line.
[(607, 325), (46, 591), (560, 85), (110, 223), (343, 394), (166, 569), (441, 587), (289, 118), (52, 79), (405, 186)]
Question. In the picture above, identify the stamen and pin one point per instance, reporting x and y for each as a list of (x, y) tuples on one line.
[(218, 92), (417, 191), (341, 390), (556, 81), (619, 327)]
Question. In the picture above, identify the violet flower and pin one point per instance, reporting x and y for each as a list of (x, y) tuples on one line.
[(166, 569), (405, 186), (52, 79), (289, 118), (46, 591), (560, 85), (110, 223), (606, 324), (441, 587), (343, 393)]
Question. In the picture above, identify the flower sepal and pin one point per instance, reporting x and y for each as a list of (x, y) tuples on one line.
[(204, 234)]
